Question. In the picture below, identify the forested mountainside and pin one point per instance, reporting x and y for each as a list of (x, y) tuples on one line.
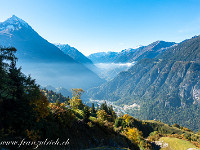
[(61, 90), (130, 55), (54, 97), (166, 88), (34, 51), (188, 50)]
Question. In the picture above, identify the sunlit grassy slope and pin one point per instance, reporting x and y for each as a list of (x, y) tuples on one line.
[(177, 144), (167, 128)]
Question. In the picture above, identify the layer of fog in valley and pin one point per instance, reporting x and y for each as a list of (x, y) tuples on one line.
[(109, 71), (57, 77), (60, 75)]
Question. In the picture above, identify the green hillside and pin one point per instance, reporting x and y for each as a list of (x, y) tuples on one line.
[(176, 144)]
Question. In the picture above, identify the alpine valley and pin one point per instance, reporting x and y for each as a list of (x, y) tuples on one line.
[(144, 98), (165, 88)]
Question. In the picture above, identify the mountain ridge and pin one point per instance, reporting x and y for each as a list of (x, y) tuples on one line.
[(131, 55), (74, 53), (21, 34), (77, 56), (44, 60)]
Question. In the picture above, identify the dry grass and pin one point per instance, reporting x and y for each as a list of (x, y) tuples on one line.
[(177, 144)]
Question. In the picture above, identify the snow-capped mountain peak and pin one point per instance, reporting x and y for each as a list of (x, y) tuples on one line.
[(12, 23), (14, 19)]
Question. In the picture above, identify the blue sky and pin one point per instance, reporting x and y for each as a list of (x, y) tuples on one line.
[(107, 25)]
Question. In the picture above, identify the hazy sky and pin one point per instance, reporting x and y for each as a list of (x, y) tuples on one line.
[(107, 25)]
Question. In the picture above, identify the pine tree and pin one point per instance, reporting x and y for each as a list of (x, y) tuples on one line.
[(104, 107), (93, 109), (86, 113), (6, 55)]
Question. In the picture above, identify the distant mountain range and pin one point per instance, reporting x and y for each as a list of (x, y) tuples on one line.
[(44, 60), (130, 55), (74, 53), (110, 64), (103, 57), (77, 56), (166, 87)]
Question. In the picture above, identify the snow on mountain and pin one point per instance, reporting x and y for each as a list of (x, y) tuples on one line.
[(12, 23)]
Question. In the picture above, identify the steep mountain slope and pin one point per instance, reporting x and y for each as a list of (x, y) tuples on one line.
[(42, 59), (31, 47), (130, 55), (166, 88), (150, 51), (188, 50), (74, 53), (77, 56)]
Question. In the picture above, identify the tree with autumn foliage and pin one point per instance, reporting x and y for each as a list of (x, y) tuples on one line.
[(102, 115), (41, 106), (61, 114), (133, 134), (76, 102)]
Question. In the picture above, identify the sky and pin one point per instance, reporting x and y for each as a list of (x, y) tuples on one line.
[(107, 25)]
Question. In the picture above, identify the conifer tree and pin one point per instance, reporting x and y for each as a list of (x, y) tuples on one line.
[(104, 107), (93, 109), (86, 113)]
